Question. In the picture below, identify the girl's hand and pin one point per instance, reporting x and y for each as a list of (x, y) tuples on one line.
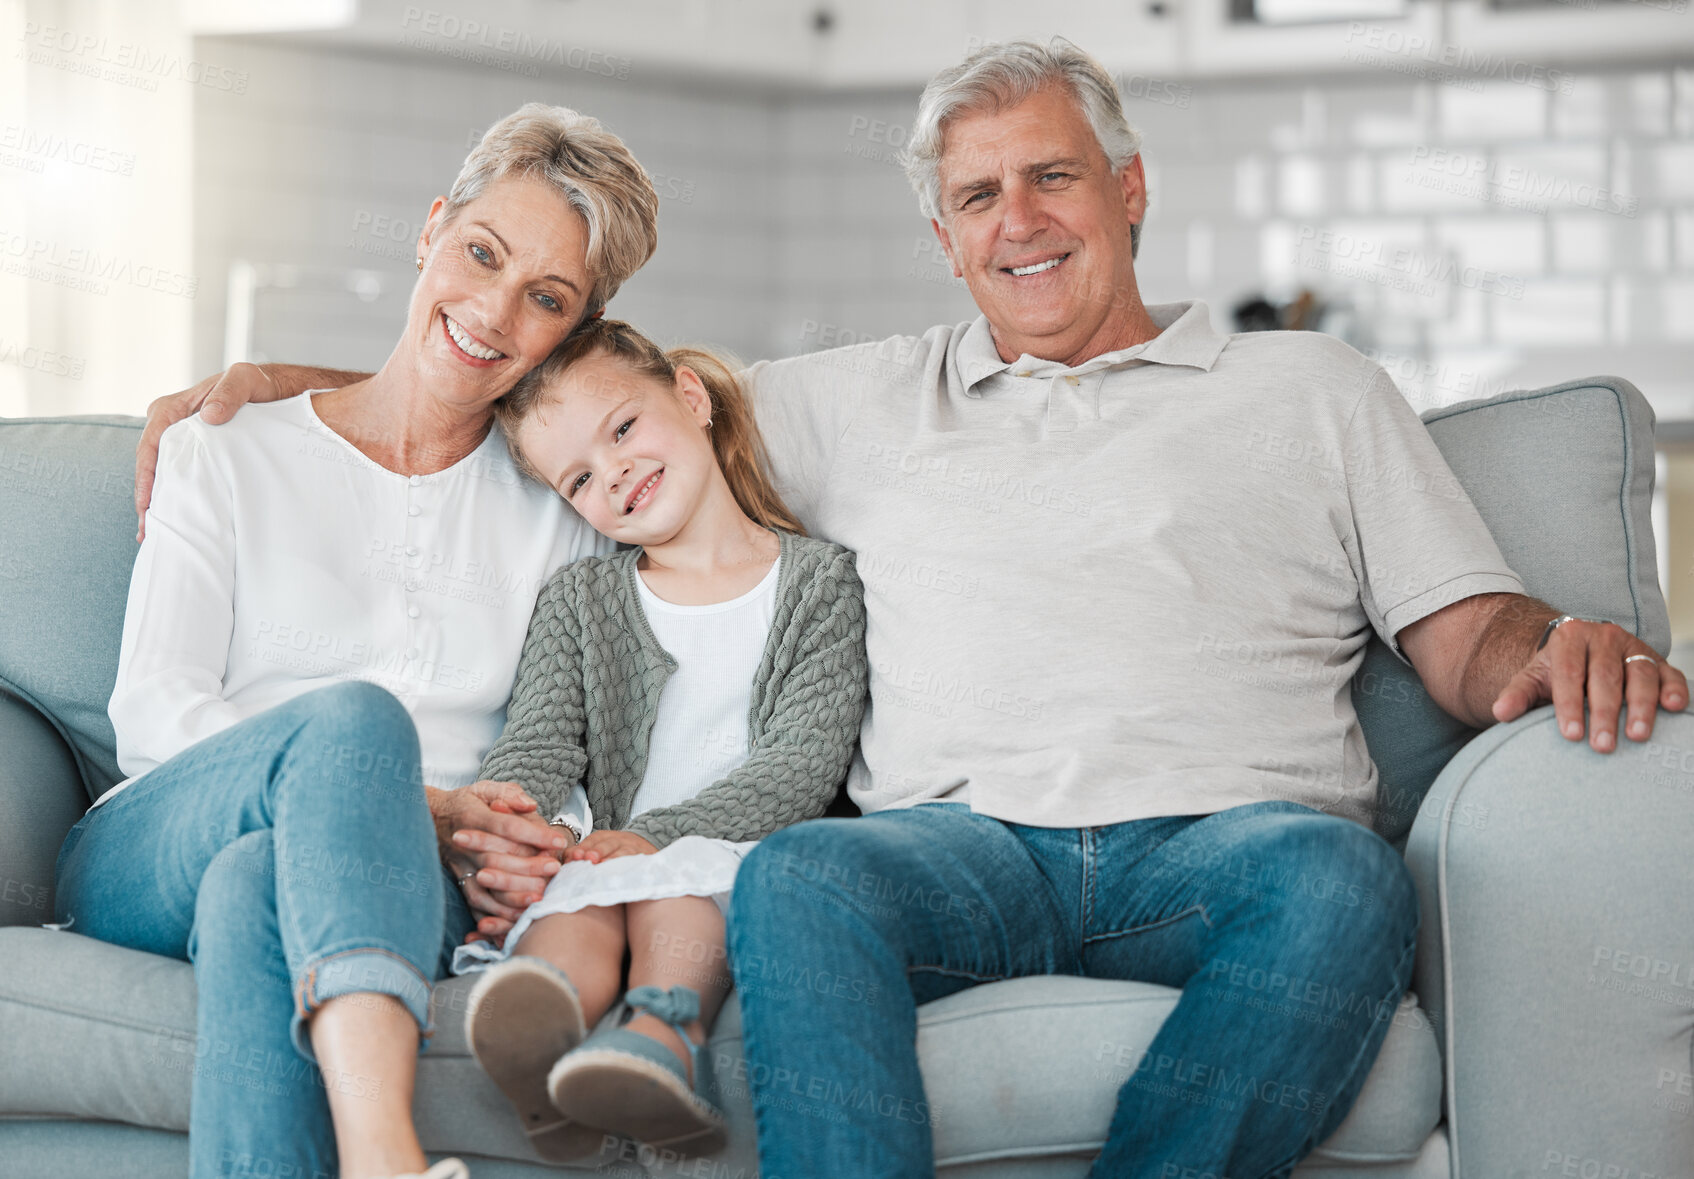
[(490, 929), (609, 845)]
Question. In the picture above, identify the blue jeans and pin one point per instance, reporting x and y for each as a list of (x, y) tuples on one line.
[(292, 859), (1257, 913)]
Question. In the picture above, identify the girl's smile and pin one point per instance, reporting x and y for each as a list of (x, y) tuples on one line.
[(643, 495)]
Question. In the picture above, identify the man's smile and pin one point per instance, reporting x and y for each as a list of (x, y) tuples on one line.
[(1037, 266)]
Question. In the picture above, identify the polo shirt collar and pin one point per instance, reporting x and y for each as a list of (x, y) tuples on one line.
[(1186, 338)]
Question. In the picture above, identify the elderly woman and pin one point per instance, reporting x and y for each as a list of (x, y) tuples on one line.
[(323, 629)]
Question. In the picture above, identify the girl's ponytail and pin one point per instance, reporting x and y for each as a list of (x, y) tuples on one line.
[(736, 441)]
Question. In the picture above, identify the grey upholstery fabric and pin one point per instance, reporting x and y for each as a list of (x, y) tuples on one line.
[(1563, 477), (111, 1150), (108, 1150), (1034, 1065), (106, 1034), (67, 544), (40, 800), (94, 1031), (1567, 474), (1556, 952)]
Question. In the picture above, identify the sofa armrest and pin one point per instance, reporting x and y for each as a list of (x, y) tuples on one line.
[(41, 798), (1556, 950)]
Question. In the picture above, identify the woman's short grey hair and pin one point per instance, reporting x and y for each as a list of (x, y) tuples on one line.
[(1002, 75), (590, 167)]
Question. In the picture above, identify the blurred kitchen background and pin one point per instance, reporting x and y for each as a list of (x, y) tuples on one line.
[(1482, 194)]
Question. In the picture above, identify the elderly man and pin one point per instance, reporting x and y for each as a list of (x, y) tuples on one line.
[(1119, 572)]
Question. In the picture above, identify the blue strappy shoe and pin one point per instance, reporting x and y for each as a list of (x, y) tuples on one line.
[(626, 1083)]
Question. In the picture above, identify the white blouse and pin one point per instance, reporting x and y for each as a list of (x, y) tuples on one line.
[(279, 558)]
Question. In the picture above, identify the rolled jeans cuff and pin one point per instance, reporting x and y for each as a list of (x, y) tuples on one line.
[(348, 972)]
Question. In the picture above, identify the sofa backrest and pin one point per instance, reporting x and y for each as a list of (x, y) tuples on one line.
[(1563, 477), (67, 544)]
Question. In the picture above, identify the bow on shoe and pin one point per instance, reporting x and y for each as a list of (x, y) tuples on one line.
[(677, 1006)]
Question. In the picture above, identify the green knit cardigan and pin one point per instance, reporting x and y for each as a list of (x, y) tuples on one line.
[(588, 691)]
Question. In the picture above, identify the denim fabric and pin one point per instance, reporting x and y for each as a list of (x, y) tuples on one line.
[(1290, 932), (292, 859)]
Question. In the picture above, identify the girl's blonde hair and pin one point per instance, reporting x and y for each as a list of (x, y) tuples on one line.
[(736, 441)]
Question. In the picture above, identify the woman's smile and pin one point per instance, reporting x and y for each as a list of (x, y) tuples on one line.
[(469, 348)]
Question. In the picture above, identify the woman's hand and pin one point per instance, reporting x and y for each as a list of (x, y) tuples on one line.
[(609, 845), (489, 926), (492, 829)]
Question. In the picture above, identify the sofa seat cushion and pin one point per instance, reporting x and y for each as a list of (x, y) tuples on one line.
[(99, 1032), (1033, 1066), (1026, 1068), (93, 1030)]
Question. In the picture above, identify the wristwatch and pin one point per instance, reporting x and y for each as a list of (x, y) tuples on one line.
[(570, 823), (1554, 625)]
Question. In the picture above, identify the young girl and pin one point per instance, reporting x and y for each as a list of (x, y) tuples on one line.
[(705, 687)]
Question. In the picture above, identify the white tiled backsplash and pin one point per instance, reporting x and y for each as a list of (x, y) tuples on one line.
[(1475, 237)]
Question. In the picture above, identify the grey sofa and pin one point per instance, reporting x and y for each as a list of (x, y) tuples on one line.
[(1549, 1034)]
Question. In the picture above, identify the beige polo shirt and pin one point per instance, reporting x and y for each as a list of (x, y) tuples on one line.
[(1132, 588)]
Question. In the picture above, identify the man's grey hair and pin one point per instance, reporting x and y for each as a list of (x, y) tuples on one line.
[(1002, 75)]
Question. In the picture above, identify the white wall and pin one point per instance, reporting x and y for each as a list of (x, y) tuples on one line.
[(97, 276), (1483, 236), (1557, 216), (783, 222), (1489, 237), (322, 173)]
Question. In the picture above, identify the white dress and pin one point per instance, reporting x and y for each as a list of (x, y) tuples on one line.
[(699, 735)]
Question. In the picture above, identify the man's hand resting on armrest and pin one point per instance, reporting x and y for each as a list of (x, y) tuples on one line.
[(217, 398), (1492, 658)]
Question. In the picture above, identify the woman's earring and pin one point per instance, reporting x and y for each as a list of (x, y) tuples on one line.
[(708, 423), (420, 263)]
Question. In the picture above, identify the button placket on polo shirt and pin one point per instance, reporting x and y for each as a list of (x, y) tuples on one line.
[(1073, 398)]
